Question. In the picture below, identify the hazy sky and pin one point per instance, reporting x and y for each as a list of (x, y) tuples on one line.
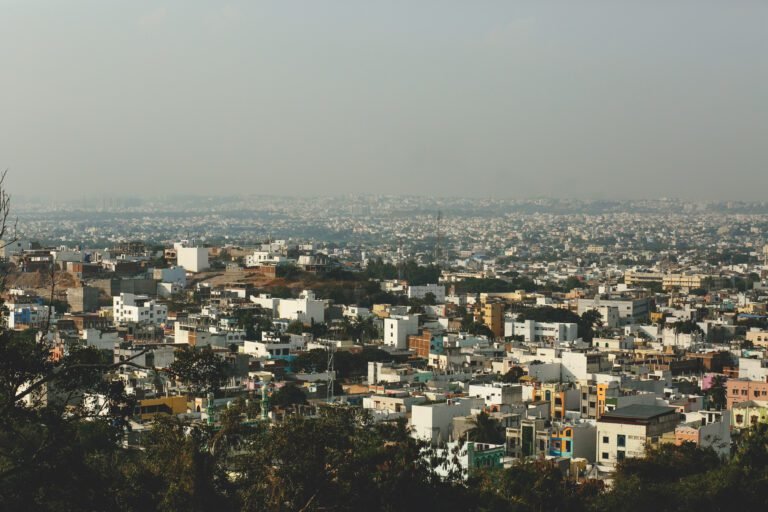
[(502, 98)]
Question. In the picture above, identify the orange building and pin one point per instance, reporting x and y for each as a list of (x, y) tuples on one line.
[(421, 343), (741, 390)]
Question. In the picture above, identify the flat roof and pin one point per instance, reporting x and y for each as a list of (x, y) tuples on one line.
[(638, 412)]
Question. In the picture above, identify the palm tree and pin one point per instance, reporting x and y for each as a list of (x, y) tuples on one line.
[(485, 429)]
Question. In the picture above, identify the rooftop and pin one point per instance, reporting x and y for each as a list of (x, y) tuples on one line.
[(638, 412)]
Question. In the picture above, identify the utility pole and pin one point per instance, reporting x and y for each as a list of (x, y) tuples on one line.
[(438, 253), (331, 374)]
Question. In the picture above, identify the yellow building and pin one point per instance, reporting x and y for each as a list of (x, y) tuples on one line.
[(166, 405), (556, 394), (493, 317)]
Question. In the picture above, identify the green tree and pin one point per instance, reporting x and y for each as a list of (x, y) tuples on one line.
[(485, 429), (200, 369), (513, 375), (295, 327), (288, 395), (717, 392)]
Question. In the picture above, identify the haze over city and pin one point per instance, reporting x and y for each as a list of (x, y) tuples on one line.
[(611, 100)]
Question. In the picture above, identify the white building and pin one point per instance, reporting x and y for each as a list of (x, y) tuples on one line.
[(193, 259), (532, 330), (631, 311), (355, 311), (419, 292), (626, 432), (128, 307), (497, 394), (306, 308), (262, 258), (176, 275), (398, 328), (434, 422)]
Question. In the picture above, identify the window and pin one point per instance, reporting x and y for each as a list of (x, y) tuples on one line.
[(604, 455), (621, 440), (739, 418), (605, 439), (567, 446), (620, 455)]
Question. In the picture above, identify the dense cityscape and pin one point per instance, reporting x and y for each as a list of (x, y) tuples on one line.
[(462, 352), (357, 256)]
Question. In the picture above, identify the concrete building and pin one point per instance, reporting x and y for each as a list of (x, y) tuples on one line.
[(573, 441), (433, 422), (306, 308), (531, 437), (497, 395), (128, 307), (533, 331), (175, 275), (390, 406), (193, 259), (749, 414), (627, 432), (24, 316), (398, 328), (492, 315), (10, 248), (83, 299), (420, 292), (741, 390), (631, 310)]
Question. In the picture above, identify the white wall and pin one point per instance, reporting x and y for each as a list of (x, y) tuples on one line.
[(397, 330), (193, 259)]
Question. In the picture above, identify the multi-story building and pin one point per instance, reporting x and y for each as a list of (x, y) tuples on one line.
[(631, 310), (433, 422), (497, 394), (128, 307), (594, 396), (492, 315), (573, 440), (531, 437), (533, 331), (749, 414), (420, 292), (741, 390), (560, 396), (307, 309), (627, 431), (422, 343), (398, 328)]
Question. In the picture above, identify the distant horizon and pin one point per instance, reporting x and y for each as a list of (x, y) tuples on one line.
[(363, 195)]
